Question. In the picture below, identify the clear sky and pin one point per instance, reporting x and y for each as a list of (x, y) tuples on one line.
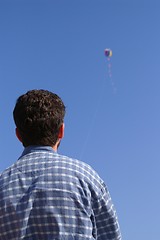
[(112, 123)]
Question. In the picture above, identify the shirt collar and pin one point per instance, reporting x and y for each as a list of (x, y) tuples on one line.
[(31, 149)]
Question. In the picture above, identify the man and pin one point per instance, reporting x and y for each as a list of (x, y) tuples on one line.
[(45, 195)]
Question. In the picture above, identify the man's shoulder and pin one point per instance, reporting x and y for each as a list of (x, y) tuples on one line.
[(77, 163), (84, 170), (4, 176)]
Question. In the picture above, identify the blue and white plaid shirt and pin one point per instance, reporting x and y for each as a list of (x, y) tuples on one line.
[(47, 196)]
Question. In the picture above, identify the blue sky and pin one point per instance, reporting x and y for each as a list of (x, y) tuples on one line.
[(59, 46)]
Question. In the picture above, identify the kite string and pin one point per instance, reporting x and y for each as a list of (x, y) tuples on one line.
[(99, 101), (93, 119)]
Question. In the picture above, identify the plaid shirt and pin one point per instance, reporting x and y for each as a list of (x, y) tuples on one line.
[(47, 196)]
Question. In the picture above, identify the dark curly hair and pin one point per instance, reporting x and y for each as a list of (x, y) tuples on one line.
[(38, 115)]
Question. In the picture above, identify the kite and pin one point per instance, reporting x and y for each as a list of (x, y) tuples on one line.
[(108, 52)]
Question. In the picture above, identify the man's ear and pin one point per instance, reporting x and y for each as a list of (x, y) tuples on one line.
[(61, 132), (18, 135)]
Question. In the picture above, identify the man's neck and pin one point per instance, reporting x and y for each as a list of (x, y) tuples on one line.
[(56, 146)]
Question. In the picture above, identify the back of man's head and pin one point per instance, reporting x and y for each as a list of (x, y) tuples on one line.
[(38, 115)]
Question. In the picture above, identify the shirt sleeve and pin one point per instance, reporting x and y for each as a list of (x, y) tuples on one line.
[(105, 217)]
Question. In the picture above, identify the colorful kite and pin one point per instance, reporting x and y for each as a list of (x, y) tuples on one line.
[(108, 52)]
